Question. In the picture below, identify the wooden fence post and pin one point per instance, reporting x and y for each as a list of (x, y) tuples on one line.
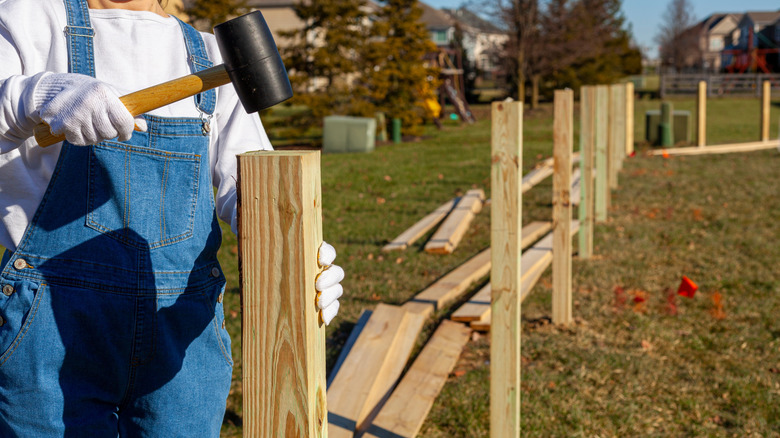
[(563, 134), (587, 155), (766, 96), (629, 118), (701, 115), (505, 237), (283, 338), (601, 185)]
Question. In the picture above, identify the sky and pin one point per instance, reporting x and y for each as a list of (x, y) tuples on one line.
[(645, 15)]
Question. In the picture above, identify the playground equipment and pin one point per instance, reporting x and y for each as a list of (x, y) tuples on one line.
[(751, 58)]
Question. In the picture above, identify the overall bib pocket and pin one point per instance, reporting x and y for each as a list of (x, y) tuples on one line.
[(143, 197), (18, 308)]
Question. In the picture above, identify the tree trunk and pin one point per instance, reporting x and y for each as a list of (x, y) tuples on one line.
[(535, 91)]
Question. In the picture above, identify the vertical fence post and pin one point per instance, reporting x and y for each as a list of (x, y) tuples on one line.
[(563, 134), (613, 138), (629, 118), (701, 115), (766, 96), (283, 339), (601, 190), (587, 155), (505, 236)]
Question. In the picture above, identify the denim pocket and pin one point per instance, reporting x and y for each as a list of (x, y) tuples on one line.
[(18, 308), (143, 197)]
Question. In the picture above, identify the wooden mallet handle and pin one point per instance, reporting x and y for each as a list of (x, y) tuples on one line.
[(154, 97)]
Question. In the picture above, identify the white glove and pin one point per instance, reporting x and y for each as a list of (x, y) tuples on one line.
[(327, 283), (83, 108)]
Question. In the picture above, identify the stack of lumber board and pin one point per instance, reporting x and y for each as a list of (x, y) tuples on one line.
[(456, 216), (534, 262), (370, 370), (450, 233)]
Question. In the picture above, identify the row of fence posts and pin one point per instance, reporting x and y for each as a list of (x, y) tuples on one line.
[(606, 138), (280, 224)]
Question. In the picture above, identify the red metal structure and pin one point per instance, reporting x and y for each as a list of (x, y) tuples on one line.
[(751, 59)]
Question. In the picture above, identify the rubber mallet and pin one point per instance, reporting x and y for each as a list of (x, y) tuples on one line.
[(251, 62)]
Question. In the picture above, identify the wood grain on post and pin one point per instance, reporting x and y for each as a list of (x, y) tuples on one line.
[(283, 338), (505, 276), (587, 154), (611, 122), (601, 186), (766, 96), (629, 118), (701, 114), (563, 134)]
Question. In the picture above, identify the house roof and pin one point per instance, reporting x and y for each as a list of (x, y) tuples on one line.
[(473, 20), (435, 18), (763, 18)]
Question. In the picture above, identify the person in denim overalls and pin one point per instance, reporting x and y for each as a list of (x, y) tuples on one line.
[(111, 311)]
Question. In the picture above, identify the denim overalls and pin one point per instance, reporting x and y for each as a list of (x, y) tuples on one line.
[(111, 320)]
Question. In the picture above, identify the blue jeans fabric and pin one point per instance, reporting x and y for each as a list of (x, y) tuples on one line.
[(112, 322)]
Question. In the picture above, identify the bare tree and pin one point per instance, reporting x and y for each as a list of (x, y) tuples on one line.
[(677, 39), (521, 20)]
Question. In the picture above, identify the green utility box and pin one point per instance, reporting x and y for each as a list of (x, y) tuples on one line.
[(681, 126), (348, 134)]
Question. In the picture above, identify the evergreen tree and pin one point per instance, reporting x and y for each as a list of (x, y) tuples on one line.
[(322, 59), (205, 14), (397, 80)]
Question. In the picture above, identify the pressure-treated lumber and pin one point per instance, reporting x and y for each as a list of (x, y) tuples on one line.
[(450, 287), (283, 338), (601, 191), (535, 261), (419, 229), (475, 307), (538, 262), (701, 114), (536, 176), (451, 231), (563, 134), (718, 149), (629, 118), (766, 96), (405, 411), (353, 335), (371, 369), (505, 237), (531, 261), (587, 155)]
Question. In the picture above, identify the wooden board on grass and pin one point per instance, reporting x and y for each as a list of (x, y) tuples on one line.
[(473, 309), (450, 287), (371, 369), (451, 231), (419, 229), (405, 411)]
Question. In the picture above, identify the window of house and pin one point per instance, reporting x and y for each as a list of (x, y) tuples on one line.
[(716, 44), (439, 36)]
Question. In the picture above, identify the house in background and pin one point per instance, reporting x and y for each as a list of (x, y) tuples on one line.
[(482, 41), (712, 33)]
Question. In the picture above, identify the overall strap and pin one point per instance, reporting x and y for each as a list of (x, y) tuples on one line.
[(199, 60), (80, 35)]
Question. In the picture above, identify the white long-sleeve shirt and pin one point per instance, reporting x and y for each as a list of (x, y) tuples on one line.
[(133, 50)]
